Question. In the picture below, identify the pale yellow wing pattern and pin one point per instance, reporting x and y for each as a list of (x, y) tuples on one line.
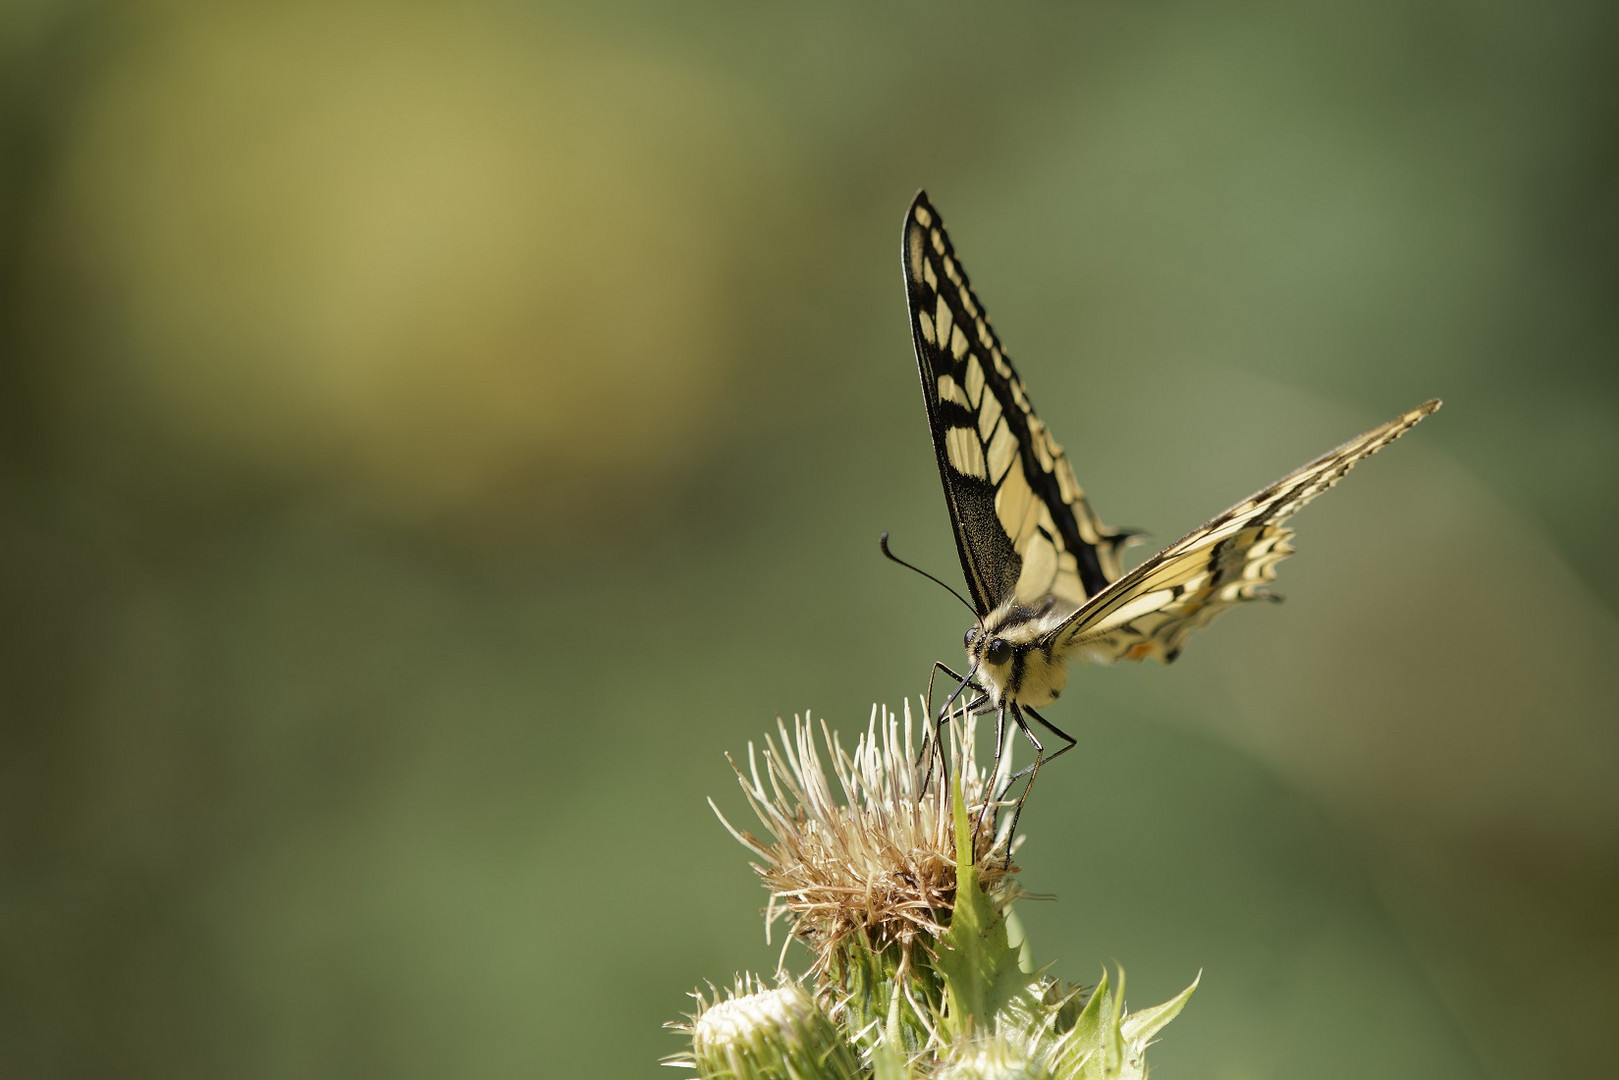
[(1024, 529), (1149, 611)]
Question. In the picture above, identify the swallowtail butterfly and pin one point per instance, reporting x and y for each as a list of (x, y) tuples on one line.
[(1043, 573)]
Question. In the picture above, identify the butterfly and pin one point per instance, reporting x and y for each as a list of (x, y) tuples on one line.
[(1044, 575)]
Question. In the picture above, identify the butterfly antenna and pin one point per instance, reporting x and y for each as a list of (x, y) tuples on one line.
[(883, 543)]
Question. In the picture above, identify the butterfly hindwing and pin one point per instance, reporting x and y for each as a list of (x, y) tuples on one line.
[(1150, 611), (1023, 526)]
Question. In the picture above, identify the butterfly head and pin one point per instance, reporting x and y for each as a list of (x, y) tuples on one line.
[(1014, 652)]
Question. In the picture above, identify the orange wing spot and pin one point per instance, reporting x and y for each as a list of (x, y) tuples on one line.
[(1139, 651)]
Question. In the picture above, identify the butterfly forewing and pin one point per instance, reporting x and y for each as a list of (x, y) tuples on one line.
[(1149, 612), (1023, 527)]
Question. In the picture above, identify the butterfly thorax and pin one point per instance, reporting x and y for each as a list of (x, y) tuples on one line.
[(1014, 652)]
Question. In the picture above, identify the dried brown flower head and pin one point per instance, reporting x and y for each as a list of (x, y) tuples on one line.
[(862, 851)]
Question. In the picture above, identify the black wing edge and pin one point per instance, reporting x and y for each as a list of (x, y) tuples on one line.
[(993, 546), (980, 591)]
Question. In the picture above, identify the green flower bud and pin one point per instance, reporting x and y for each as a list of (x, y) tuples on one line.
[(778, 1034)]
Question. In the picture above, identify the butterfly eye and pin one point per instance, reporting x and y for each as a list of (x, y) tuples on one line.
[(972, 636), (998, 651)]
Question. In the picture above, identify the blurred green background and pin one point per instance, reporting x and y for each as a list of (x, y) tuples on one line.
[(431, 435)]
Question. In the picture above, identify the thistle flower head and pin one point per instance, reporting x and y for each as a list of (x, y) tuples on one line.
[(865, 867), (859, 852)]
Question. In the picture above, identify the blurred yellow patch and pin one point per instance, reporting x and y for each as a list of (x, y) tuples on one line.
[(422, 256)]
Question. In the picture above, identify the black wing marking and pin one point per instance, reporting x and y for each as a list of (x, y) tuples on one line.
[(1023, 526)]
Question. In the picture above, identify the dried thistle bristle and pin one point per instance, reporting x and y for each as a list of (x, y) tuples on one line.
[(868, 856)]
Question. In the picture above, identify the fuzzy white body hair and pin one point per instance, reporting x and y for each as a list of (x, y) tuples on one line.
[(1035, 672)]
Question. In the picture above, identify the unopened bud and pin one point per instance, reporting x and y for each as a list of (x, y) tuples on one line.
[(778, 1034)]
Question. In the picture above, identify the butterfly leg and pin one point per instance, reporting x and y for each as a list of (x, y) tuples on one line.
[(973, 708), (990, 798), (1069, 742), (934, 674), (935, 729), (937, 725), (1032, 771)]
